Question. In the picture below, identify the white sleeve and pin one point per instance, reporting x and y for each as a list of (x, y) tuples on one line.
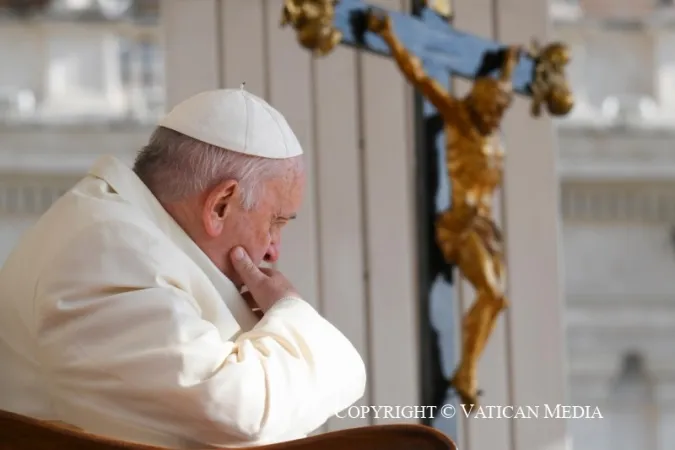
[(136, 352)]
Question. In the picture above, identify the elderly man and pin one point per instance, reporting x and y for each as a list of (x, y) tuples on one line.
[(122, 313)]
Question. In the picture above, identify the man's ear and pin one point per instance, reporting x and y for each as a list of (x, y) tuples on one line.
[(218, 204)]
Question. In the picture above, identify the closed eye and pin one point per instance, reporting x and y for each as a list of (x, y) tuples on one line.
[(285, 218)]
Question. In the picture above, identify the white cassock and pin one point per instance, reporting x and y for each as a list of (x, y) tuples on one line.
[(113, 320)]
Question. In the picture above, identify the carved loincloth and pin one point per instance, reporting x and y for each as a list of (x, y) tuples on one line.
[(489, 232)]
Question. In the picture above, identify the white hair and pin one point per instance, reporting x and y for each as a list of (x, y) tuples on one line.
[(175, 166)]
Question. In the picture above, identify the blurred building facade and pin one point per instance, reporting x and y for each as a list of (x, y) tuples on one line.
[(617, 169), (79, 78)]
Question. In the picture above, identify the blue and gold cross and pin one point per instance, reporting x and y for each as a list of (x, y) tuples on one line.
[(427, 49)]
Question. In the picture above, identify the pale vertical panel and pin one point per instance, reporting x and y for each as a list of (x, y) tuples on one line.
[(190, 33), (290, 91), (530, 206), (338, 174), (478, 17), (394, 346), (243, 31)]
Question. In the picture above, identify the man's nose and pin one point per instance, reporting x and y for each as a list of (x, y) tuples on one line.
[(272, 254)]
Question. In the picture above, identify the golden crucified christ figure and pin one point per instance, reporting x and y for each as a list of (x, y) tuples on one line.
[(467, 233)]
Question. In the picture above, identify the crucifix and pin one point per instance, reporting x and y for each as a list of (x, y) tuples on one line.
[(427, 50)]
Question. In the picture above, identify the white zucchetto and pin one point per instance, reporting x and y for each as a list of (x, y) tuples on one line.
[(236, 120)]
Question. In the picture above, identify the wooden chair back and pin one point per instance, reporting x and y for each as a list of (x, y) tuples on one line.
[(19, 432)]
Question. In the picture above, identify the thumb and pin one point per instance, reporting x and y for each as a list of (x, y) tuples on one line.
[(249, 272)]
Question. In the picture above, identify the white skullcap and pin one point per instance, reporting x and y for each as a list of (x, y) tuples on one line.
[(236, 120)]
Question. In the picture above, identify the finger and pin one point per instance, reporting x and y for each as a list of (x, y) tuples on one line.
[(249, 272), (267, 271)]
